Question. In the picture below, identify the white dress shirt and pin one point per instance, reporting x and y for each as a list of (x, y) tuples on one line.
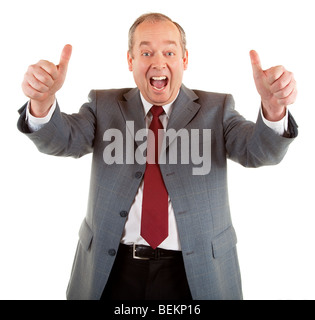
[(133, 224), (131, 232)]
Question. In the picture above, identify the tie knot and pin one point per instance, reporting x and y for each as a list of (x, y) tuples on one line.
[(156, 111)]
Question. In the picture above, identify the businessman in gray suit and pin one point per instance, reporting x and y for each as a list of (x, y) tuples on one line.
[(158, 229)]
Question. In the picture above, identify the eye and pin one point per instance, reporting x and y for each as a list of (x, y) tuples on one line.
[(146, 54), (170, 54)]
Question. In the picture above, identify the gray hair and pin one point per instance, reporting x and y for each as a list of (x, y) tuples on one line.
[(154, 17)]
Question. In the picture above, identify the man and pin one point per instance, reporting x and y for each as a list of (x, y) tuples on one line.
[(158, 230)]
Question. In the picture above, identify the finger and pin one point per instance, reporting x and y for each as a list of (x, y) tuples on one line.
[(274, 73), (49, 67), (256, 64), (282, 82), (36, 84), (30, 92), (286, 91), (65, 58), (43, 76), (288, 100)]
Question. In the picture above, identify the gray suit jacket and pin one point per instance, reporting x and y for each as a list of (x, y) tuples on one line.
[(200, 202)]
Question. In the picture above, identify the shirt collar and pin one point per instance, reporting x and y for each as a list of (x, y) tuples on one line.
[(147, 105)]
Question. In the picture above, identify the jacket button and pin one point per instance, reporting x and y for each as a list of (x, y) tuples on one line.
[(138, 175), (123, 214), (112, 252)]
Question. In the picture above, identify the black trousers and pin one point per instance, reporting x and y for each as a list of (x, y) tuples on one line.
[(154, 279)]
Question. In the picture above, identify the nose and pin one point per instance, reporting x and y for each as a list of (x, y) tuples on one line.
[(159, 62)]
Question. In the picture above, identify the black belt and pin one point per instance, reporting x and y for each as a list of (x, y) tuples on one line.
[(142, 252)]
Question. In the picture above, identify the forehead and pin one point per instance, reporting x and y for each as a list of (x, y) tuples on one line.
[(156, 32)]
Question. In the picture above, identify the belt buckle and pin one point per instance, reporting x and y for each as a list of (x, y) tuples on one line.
[(134, 253)]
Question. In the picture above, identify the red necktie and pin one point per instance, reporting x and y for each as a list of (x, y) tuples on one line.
[(154, 219)]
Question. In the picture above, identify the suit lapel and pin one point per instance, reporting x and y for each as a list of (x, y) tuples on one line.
[(184, 109), (132, 110)]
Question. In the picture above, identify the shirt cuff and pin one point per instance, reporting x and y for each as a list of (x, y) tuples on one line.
[(34, 124), (280, 127)]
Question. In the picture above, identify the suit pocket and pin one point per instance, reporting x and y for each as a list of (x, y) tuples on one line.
[(85, 235), (224, 242)]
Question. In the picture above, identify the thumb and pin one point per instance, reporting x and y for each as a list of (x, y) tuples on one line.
[(256, 64), (64, 58)]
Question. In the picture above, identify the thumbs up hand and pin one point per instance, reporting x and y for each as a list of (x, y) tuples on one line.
[(43, 79), (276, 86)]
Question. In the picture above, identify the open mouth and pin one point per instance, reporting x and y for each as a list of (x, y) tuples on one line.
[(159, 83)]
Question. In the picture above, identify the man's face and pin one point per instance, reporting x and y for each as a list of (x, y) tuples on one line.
[(157, 61)]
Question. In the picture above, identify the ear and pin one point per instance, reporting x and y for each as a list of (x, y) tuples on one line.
[(129, 59), (185, 60)]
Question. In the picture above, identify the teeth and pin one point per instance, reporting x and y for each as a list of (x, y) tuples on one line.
[(159, 78), (159, 89)]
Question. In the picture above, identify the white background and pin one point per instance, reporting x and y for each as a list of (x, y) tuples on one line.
[(43, 199)]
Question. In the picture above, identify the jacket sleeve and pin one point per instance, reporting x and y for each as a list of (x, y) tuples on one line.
[(254, 144), (65, 135)]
